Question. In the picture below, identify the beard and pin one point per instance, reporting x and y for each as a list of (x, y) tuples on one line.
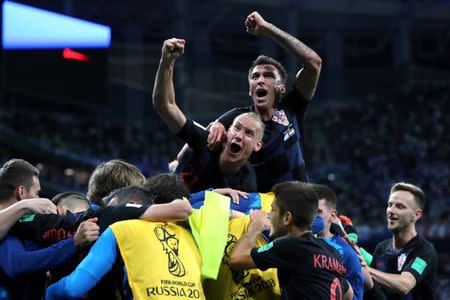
[(277, 232)]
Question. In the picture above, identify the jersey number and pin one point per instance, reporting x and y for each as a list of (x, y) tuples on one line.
[(336, 290)]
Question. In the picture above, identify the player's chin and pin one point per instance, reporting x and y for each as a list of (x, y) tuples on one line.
[(273, 233)]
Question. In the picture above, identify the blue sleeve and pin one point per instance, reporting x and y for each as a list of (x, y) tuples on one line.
[(198, 199), (94, 266), (352, 264), (17, 260), (354, 273), (245, 205)]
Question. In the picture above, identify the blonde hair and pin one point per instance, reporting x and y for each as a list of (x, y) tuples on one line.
[(419, 195), (255, 117), (110, 176)]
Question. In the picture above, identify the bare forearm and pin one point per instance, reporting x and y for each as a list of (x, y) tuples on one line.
[(308, 57), (400, 283), (240, 258), (163, 90), (164, 97), (349, 294), (307, 77), (173, 211), (368, 282), (9, 216)]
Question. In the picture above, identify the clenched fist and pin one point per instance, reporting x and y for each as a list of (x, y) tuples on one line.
[(172, 49), (87, 232), (255, 24)]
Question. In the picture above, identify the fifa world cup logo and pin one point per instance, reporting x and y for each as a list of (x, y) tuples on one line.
[(170, 244), (237, 275)]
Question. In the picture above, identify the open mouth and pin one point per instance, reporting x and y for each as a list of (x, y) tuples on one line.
[(392, 219), (235, 148), (261, 93)]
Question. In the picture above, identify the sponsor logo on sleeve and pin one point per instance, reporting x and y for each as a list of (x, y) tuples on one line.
[(265, 247), (419, 265), (27, 218)]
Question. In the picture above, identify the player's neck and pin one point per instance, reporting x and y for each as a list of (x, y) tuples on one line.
[(7, 203), (296, 231), (401, 238), (325, 233), (266, 114), (226, 167)]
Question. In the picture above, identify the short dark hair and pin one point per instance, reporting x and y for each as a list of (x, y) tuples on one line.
[(136, 193), (111, 175), (14, 173), (419, 195), (324, 192), (70, 200), (167, 187), (266, 60), (299, 199), (6, 190)]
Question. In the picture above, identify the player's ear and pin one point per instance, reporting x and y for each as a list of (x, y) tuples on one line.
[(258, 146), (282, 88), (288, 218), (417, 214)]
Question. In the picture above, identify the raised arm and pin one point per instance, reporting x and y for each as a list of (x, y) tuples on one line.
[(307, 78), (163, 91), (10, 215)]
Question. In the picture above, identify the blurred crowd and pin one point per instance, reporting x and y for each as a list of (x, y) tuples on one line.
[(381, 140), (363, 148)]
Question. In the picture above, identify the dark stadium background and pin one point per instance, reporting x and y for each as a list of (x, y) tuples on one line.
[(380, 113)]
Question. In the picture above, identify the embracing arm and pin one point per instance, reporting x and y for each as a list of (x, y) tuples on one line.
[(240, 258), (400, 283), (17, 260), (307, 78), (176, 210), (9, 216), (94, 266), (163, 90)]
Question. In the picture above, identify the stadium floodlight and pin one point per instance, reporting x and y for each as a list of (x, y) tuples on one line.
[(27, 27)]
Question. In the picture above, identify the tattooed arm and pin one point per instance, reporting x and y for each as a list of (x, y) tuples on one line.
[(307, 78)]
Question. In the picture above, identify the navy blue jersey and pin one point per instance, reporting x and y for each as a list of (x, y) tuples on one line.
[(418, 257), (280, 158), (50, 228), (308, 268), (199, 168), (23, 265)]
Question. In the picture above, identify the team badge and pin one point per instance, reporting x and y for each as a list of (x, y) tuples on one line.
[(280, 117), (401, 261)]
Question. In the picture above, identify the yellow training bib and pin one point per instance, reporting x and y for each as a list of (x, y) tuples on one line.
[(161, 259), (249, 284)]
